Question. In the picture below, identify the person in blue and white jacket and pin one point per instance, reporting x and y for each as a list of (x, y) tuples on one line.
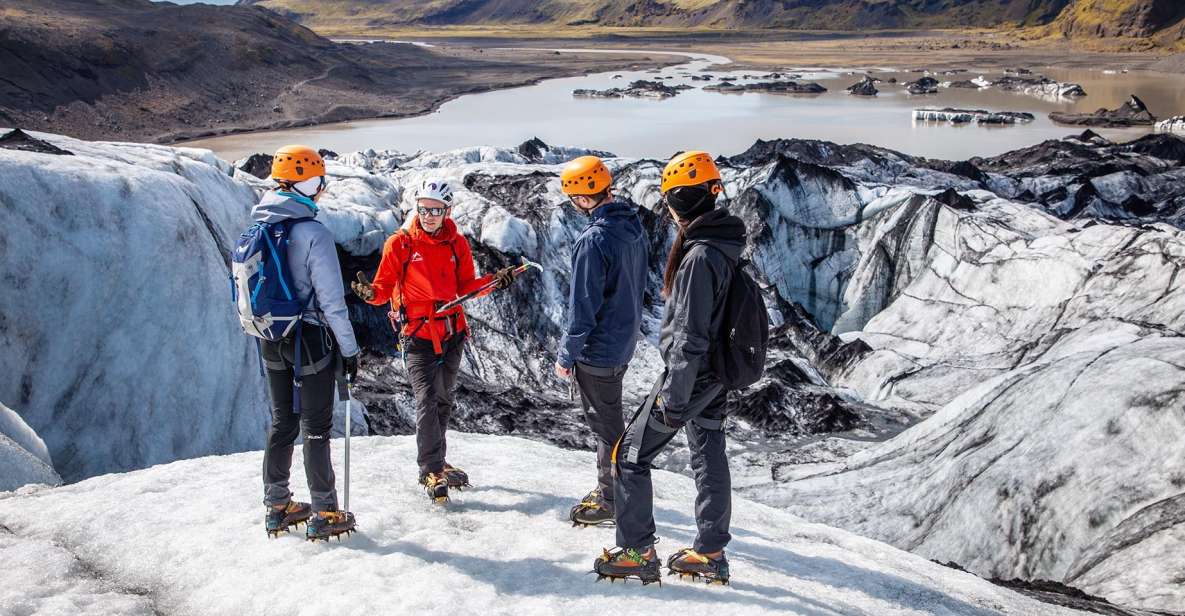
[(299, 172)]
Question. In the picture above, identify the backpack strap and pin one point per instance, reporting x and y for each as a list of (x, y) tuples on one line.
[(741, 263), (397, 315), (298, 370), (297, 375), (452, 322), (456, 260), (406, 262)]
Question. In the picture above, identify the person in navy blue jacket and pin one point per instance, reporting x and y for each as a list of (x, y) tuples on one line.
[(609, 271)]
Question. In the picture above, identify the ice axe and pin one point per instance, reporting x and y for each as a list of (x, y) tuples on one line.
[(487, 286)]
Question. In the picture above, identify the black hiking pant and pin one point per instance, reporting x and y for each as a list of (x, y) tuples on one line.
[(433, 378), (648, 436), (318, 356), (600, 397)]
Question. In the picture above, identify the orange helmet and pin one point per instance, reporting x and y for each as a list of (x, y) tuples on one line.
[(296, 163), (691, 169), (586, 175)]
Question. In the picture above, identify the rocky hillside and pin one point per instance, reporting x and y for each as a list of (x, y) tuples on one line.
[(1073, 18), (825, 14), (712, 13), (138, 70), (1123, 18)]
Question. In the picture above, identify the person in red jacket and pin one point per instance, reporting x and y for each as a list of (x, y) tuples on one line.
[(424, 266)]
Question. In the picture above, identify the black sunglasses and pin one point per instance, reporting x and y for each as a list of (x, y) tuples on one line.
[(432, 211)]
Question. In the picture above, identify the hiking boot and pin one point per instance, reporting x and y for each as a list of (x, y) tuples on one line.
[(326, 524), (280, 518), (592, 510), (712, 569), (626, 563), (456, 477), (436, 485)]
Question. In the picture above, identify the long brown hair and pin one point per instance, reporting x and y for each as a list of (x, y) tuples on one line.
[(674, 260)]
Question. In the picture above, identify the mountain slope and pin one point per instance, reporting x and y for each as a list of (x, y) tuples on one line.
[(1071, 18), (820, 14), (146, 71), (1161, 21), (188, 536), (1120, 18)]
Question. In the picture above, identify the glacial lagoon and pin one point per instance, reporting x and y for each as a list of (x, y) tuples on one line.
[(730, 123)]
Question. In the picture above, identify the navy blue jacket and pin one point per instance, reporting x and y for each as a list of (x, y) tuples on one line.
[(609, 271)]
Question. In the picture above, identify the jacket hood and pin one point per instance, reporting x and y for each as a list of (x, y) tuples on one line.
[(277, 205), (720, 229), (619, 220)]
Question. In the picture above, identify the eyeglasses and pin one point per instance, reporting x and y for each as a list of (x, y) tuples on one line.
[(432, 211)]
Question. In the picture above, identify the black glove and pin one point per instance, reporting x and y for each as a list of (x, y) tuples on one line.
[(350, 367), (362, 288), (504, 277)]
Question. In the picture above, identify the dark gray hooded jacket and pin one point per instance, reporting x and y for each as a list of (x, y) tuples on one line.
[(713, 244)]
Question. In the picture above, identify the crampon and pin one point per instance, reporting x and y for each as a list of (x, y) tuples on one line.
[(592, 511), (436, 485), (457, 478), (325, 525), (279, 521), (689, 564), (628, 563)]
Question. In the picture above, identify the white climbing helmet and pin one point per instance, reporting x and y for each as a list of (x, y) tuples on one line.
[(436, 189)]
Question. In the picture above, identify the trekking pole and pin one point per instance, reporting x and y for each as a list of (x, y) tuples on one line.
[(349, 400)]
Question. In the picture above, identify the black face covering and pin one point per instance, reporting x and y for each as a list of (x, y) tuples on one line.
[(690, 202)]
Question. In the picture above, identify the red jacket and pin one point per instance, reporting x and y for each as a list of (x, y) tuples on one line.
[(439, 269)]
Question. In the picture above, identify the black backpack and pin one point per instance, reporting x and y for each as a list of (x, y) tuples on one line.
[(738, 358)]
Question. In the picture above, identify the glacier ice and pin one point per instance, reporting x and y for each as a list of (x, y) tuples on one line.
[(24, 458), (500, 548), (904, 294), (120, 349)]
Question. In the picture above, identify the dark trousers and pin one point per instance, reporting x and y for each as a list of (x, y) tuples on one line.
[(600, 396), (432, 379), (709, 463), (315, 417)]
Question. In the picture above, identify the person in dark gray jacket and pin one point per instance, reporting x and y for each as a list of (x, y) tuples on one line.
[(326, 336), (609, 270), (699, 270)]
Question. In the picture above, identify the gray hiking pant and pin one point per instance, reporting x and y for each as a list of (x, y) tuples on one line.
[(600, 396), (433, 378), (648, 436), (318, 355)]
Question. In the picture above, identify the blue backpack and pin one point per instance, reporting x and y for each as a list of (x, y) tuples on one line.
[(261, 283), (262, 290)]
